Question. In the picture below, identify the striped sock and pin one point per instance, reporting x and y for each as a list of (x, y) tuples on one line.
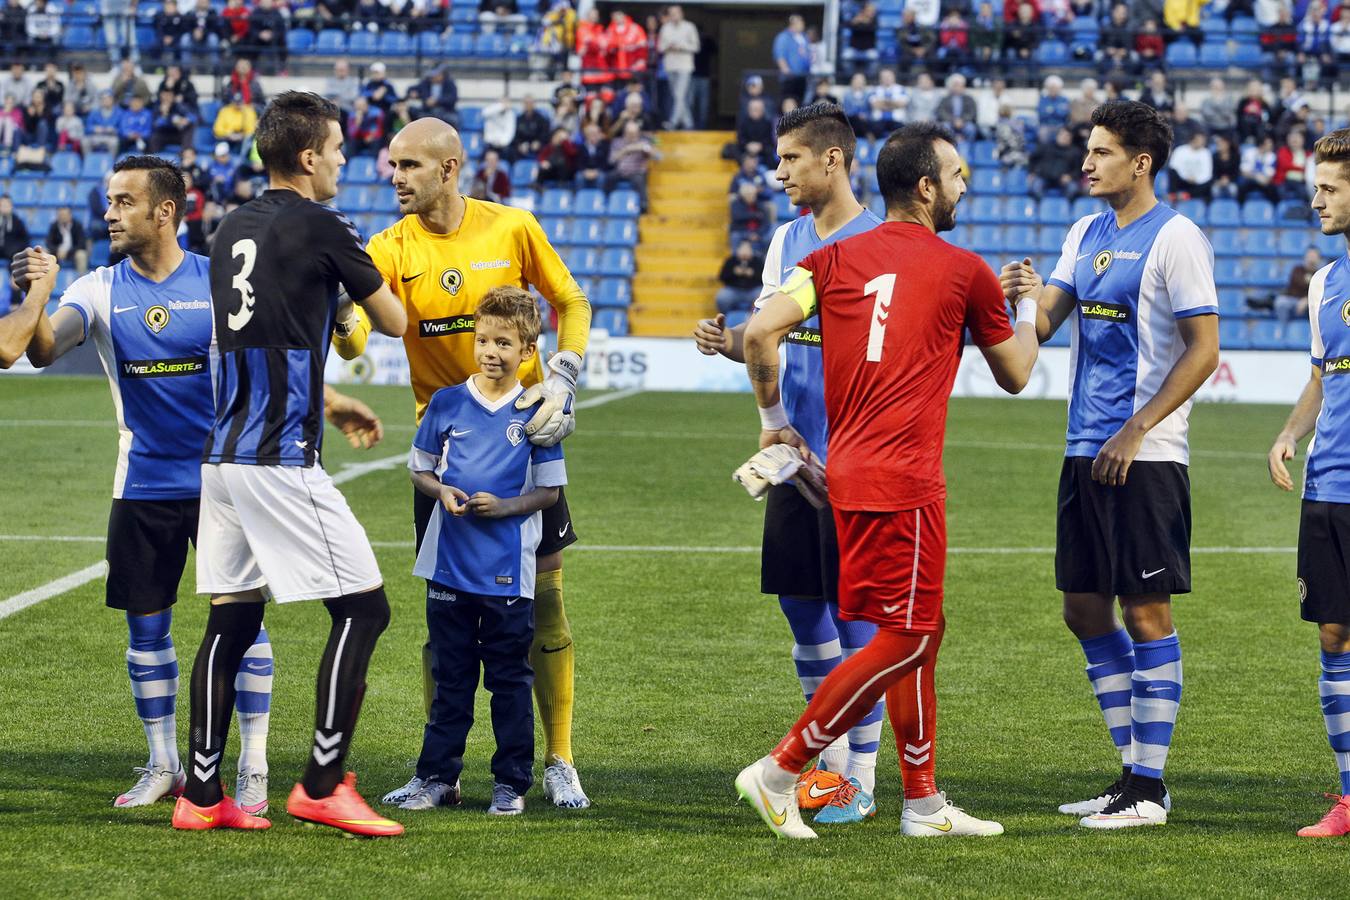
[(1334, 688), (865, 737), (815, 653), (253, 704), (1153, 708), (152, 664), (1110, 667)]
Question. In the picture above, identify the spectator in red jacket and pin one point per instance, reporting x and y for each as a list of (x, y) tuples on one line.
[(1148, 43), (491, 182), (558, 160), (593, 48), (1291, 167), (235, 15), (627, 44), (365, 129), (1010, 8)]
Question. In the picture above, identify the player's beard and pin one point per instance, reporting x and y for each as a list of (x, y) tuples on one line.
[(944, 215)]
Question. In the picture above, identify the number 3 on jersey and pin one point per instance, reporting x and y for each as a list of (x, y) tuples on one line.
[(884, 287), (249, 251)]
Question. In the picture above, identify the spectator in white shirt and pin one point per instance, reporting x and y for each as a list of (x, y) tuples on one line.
[(890, 103), (1192, 167), (499, 124), (678, 41)]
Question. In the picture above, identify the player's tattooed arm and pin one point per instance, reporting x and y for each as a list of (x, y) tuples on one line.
[(762, 372), (777, 316)]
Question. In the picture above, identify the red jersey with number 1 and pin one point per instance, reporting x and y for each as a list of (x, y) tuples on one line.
[(894, 305)]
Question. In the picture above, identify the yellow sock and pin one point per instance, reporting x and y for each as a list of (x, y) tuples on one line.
[(551, 656), (428, 680)]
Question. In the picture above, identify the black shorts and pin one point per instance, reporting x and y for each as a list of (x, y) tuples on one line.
[(557, 524), (1126, 540), (800, 553), (147, 549), (1323, 566)]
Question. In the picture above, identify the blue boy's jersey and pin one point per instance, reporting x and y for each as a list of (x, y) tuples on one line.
[(1327, 474), (1131, 285), (156, 344), (480, 445), (803, 384)]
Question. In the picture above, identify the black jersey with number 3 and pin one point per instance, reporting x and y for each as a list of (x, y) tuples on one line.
[(276, 266)]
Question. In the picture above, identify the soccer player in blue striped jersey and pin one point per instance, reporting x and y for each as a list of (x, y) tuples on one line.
[(271, 518), (150, 319), (471, 454), (1324, 526), (800, 559), (1136, 284)]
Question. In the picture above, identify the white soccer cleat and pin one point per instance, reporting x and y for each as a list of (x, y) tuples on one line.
[(505, 801), (1126, 813), (431, 794), (400, 795), (562, 786), (1102, 800), (250, 792), (154, 784), (778, 809), (950, 821)]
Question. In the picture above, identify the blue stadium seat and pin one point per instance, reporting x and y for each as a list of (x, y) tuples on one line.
[(1055, 211), (986, 181), (615, 321), (1267, 272), (491, 46), (524, 171), (1256, 213), (1261, 334), (1053, 53), (470, 118), (429, 43), (299, 40), (1331, 245), (1297, 335), (1086, 206), (590, 286), (1244, 25), (80, 37), (459, 45), (1246, 56), (556, 203), (585, 261), (866, 152), (1020, 210), (1294, 212), (331, 41), (558, 230), (960, 236), (1228, 272), (614, 292), (736, 317), (1213, 53), (1019, 240), (99, 254), (617, 261), (1232, 302), (1015, 182), (25, 192), (986, 209), (589, 202), (587, 230), (473, 143), (619, 233), (783, 207), (363, 43), (66, 164), (1182, 55), (1049, 239), (1292, 242), (395, 43), (983, 154), (1227, 242), (1195, 210), (1233, 334), (361, 170), (1225, 212), (986, 239), (39, 220), (59, 193)]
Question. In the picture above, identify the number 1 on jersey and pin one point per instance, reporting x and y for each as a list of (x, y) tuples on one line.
[(249, 251), (884, 287)]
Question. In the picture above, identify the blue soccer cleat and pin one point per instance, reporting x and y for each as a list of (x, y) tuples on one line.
[(849, 804)]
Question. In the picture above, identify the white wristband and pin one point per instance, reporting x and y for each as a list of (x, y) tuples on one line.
[(774, 418), (1026, 312)]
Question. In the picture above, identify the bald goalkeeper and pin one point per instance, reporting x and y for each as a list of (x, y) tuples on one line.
[(446, 252)]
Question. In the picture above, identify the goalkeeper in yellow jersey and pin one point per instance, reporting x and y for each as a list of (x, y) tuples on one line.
[(446, 252)]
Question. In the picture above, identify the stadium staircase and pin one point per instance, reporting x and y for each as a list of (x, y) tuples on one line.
[(683, 235)]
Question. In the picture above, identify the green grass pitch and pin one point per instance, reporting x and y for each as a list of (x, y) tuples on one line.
[(683, 676)]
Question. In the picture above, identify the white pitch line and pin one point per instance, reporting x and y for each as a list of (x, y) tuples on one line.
[(75, 579)]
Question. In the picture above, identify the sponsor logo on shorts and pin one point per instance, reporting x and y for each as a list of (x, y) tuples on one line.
[(162, 368), (1336, 366), (1302, 591), (809, 337), (1111, 312), (505, 579), (443, 596), (445, 325)]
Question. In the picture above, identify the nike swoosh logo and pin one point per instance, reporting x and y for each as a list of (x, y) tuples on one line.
[(257, 667), (512, 601), (1153, 688), (122, 309), (408, 278), (1328, 705), (778, 818), (366, 822), (303, 445), (944, 827), (1083, 257), (555, 649), (207, 819), (563, 530), (454, 433), (817, 794), (142, 673), (890, 608), (867, 810), (1154, 572)]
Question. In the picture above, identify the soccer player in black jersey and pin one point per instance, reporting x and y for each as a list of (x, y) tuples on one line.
[(272, 522)]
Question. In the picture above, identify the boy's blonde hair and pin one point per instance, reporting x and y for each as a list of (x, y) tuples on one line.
[(1333, 147), (514, 306)]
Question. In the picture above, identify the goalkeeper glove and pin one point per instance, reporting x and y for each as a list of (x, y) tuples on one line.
[(778, 464), (555, 419)]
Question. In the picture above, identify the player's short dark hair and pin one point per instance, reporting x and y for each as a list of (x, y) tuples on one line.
[(514, 306), (1334, 147), (820, 126), (295, 121), (163, 178), (909, 154), (1140, 129)]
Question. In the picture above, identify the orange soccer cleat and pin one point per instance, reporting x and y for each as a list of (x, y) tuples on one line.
[(1335, 823), (343, 809), (188, 816), (816, 787)]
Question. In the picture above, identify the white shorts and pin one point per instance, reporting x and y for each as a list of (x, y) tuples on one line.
[(286, 528)]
